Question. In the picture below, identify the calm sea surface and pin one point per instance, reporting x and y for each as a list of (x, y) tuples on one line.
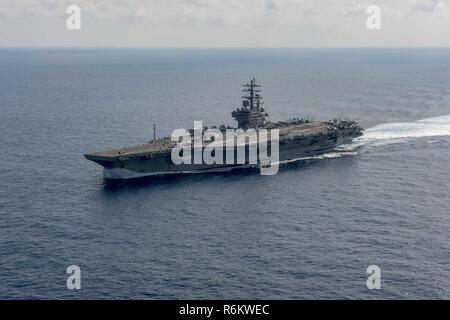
[(311, 231)]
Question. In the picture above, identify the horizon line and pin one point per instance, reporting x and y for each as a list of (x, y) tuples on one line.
[(230, 47)]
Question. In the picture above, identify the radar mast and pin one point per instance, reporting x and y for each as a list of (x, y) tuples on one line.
[(251, 115)]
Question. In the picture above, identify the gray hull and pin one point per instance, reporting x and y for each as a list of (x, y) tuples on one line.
[(161, 164)]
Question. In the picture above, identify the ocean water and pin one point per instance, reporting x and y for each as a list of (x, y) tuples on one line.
[(308, 232)]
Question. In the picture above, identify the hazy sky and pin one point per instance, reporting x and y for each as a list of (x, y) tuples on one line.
[(225, 23)]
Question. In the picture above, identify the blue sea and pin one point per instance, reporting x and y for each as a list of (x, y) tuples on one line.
[(309, 232)]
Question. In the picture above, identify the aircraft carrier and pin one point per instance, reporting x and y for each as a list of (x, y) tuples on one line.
[(297, 139)]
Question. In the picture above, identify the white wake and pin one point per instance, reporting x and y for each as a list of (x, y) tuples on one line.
[(328, 155), (395, 132), (398, 131), (382, 134)]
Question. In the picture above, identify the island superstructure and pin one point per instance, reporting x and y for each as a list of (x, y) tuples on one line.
[(298, 139)]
